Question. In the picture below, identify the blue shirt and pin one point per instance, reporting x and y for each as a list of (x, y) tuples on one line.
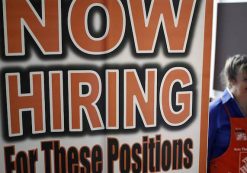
[(219, 124)]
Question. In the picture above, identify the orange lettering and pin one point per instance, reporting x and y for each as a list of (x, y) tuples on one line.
[(79, 100), (78, 28), (112, 99), (56, 101), (183, 98), (17, 103), (146, 28), (45, 30), (135, 96)]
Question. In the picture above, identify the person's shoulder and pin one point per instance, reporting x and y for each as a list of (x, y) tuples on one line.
[(215, 106)]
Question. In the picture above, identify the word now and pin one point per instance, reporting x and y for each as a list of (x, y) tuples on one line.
[(46, 30)]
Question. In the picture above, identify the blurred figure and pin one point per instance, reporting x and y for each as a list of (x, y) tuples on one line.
[(227, 136)]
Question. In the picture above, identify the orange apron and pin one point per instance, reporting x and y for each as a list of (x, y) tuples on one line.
[(234, 160)]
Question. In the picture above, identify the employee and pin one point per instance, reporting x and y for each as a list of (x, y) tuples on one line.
[(227, 137)]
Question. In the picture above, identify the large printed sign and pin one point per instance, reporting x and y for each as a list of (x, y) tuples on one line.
[(104, 85)]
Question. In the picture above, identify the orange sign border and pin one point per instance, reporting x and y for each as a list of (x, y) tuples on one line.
[(205, 85)]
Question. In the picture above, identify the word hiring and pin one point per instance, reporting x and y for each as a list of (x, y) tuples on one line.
[(46, 30), (84, 92)]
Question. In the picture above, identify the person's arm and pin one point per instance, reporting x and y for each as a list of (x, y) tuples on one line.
[(212, 129)]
